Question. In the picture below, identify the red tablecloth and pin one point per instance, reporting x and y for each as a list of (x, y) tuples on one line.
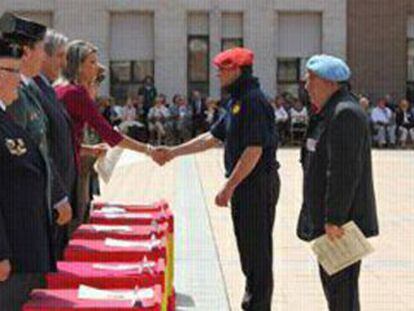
[(97, 251), (134, 208), (143, 232), (65, 300), (73, 274)]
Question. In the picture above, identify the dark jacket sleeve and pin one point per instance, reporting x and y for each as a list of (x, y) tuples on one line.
[(218, 129), (254, 129), (5, 252), (345, 143), (58, 189)]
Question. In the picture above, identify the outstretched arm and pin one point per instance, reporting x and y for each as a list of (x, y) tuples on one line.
[(201, 143)]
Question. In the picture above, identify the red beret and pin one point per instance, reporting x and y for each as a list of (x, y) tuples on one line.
[(233, 58)]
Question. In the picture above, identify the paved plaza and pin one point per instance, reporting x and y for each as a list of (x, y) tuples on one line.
[(208, 275)]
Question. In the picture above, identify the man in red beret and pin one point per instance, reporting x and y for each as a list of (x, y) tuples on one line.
[(248, 132)]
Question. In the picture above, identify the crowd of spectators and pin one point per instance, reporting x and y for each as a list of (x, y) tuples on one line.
[(392, 122), (153, 117), (157, 119)]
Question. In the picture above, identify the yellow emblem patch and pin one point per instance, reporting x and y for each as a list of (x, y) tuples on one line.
[(236, 108)]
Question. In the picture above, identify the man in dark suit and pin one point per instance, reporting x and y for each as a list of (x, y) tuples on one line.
[(26, 246), (338, 183), (198, 108), (27, 110), (59, 134)]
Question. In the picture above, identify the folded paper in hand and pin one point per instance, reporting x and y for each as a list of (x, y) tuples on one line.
[(148, 244), (336, 255), (104, 166), (91, 293)]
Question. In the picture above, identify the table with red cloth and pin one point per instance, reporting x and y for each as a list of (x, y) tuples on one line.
[(67, 299), (98, 251), (107, 275), (100, 232)]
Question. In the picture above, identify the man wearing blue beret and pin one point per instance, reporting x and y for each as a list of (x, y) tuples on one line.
[(338, 184)]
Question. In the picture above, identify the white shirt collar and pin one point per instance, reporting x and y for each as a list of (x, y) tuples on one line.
[(25, 79), (2, 105)]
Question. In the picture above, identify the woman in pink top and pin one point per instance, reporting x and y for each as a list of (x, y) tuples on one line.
[(77, 93)]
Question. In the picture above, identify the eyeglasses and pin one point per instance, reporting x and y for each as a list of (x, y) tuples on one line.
[(11, 70)]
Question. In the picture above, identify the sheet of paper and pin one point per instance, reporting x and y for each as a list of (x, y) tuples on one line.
[(91, 293), (113, 210), (126, 215), (148, 244), (335, 256), (125, 267), (110, 228), (105, 166)]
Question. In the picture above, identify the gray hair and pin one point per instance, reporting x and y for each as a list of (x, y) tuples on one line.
[(53, 41), (77, 51)]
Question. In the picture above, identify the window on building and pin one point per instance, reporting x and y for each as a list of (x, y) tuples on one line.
[(231, 30), (127, 77), (198, 73), (298, 37), (290, 75), (131, 52)]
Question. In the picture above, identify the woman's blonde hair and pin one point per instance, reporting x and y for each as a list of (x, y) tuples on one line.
[(77, 52)]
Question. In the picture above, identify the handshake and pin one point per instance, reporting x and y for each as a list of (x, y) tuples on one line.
[(161, 155)]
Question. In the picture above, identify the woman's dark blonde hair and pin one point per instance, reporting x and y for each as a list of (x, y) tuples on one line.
[(77, 52)]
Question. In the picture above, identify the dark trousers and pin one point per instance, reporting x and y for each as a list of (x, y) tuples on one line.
[(253, 214), (341, 289), (15, 291)]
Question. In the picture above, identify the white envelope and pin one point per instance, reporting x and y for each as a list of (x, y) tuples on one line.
[(91, 293), (109, 228), (148, 244)]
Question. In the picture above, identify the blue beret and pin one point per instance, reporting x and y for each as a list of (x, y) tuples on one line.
[(329, 68)]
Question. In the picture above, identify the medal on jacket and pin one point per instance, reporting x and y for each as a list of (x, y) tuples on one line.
[(16, 146), (236, 108)]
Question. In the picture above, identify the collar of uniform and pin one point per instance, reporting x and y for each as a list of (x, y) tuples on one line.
[(331, 103), (25, 79), (242, 85), (2, 105)]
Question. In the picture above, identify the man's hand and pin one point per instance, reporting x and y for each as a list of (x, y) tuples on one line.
[(334, 232), (64, 213), (162, 155), (5, 270), (224, 196)]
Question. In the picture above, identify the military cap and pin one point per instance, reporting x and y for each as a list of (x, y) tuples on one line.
[(10, 49), (234, 58), (21, 30), (329, 68)]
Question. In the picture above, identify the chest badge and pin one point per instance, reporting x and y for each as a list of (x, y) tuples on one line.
[(16, 146), (236, 108)]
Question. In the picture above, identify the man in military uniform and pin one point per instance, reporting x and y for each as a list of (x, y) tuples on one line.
[(336, 160), (248, 131), (26, 248), (27, 110)]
